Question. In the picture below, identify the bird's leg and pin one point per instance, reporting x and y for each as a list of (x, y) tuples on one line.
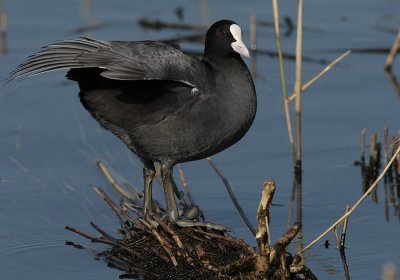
[(172, 210), (166, 173), (148, 175)]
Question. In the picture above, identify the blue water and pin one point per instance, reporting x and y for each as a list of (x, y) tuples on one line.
[(49, 143)]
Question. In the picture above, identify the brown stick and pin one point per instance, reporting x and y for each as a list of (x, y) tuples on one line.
[(88, 236), (231, 194), (102, 232), (169, 230), (343, 236), (185, 185), (319, 75), (392, 54), (240, 265), (263, 234), (164, 243), (282, 242), (111, 180)]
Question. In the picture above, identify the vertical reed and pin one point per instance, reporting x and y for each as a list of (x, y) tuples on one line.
[(297, 88), (283, 80), (253, 45)]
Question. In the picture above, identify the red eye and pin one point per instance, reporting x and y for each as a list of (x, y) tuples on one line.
[(223, 33)]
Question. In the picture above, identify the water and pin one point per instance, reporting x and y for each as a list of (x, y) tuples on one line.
[(49, 143)]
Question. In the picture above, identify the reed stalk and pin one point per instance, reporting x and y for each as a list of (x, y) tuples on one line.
[(320, 74), (297, 88), (283, 80)]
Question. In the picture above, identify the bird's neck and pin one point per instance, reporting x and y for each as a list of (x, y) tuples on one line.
[(218, 61)]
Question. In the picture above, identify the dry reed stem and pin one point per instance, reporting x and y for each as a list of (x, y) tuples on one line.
[(283, 80), (392, 54), (320, 74), (231, 194), (169, 230), (111, 180), (185, 184), (352, 209), (297, 88), (263, 236), (337, 239), (267, 195), (389, 272), (253, 45), (346, 222), (164, 243)]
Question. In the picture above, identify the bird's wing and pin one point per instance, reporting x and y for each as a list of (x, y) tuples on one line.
[(121, 60)]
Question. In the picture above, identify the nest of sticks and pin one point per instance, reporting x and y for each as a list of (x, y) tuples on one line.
[(153, 249)]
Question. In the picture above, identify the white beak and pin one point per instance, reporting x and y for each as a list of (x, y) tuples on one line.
[(238, 46)]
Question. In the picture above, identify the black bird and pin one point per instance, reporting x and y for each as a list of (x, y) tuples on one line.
[(166, 106)]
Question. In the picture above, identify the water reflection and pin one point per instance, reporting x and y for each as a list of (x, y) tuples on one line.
[(371, 169), (393, 80), (3, 29), (92, 23)]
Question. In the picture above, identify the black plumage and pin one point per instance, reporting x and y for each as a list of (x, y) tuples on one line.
[(165, 105)]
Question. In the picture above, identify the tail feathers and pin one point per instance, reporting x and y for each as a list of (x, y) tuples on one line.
[(60, 55)]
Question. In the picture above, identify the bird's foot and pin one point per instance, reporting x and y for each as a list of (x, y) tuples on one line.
[(192, 223), (192, 219), (149, 218)]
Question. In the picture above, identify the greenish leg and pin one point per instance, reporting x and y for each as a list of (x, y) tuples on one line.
[(172, 210), (148, 175)]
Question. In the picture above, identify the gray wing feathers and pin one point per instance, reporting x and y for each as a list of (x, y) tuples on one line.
[(120, 60)]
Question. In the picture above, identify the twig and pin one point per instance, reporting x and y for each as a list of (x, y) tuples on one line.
[(263, 235), (241, 264), (169, 230), (164, 243), (102, 232), (392, 54), (111, 180), (115, 208), (284, 241), (185, 185), (231, 194), (283, 80), (343, 236), (91, 238), (352, 209), (213, 235), (201, 254), (320, 74), (337, 239)]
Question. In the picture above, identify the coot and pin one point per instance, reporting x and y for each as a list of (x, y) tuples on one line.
[(166, 106)]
